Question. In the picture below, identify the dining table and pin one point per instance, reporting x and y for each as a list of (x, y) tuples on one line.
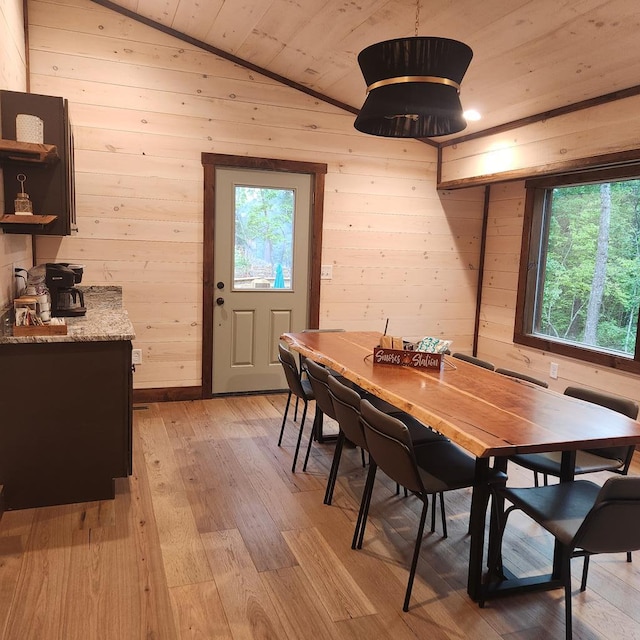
[(490, 415)]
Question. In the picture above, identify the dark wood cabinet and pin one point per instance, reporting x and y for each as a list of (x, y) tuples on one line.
[(65, 421), (48, 167)]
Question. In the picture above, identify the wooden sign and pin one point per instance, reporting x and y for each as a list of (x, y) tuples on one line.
[(405, 358)]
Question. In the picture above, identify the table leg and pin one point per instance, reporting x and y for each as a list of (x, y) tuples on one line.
[(477, 518)]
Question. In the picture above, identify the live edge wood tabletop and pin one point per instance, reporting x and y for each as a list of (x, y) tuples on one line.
[(486, 413)]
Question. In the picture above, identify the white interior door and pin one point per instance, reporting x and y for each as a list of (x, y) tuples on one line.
[(261, 273)]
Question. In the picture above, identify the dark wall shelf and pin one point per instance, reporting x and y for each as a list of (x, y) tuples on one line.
[(48, 167), (25, 223), (15, 151)]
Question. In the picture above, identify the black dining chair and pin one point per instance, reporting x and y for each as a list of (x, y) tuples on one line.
[(432, 468), (298, 387), (473, 360), (346, 403), (583, 517), (302, 359), (614, 459), (522, 376), (317, 375)]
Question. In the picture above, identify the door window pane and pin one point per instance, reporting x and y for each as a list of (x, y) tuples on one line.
[(263, 235)]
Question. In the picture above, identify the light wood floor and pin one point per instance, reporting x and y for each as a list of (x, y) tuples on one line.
[(213, 537)]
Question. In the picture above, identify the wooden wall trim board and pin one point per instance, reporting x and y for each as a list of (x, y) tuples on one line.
[(167, 394), (550, 169), (480, 287), (210, 162)]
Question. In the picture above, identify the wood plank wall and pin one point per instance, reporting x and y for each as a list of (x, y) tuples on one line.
[(13, 248), (144, 106), (504, 232), (541, 146)]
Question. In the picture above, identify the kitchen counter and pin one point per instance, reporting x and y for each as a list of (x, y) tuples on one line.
[(105, 320), (66, 407)]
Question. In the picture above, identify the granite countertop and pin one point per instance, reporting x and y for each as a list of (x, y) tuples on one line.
[(104, 321)]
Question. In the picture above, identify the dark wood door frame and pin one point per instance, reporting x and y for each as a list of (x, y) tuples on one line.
[(210, 162)]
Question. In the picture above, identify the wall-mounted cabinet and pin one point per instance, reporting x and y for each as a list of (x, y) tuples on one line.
[(48, 166)]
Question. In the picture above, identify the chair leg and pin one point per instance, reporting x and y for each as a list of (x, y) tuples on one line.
[(284, 418), (443, 515), (585, 572), (317, 420), (433, 512), (333, 473), (629, 558), (416, 552), (295, 455), (364, 462), (361, 522), (566, 570)]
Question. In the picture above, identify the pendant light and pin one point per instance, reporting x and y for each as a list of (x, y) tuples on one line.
[(413, 86)]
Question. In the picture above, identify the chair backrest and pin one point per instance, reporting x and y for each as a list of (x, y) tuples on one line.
[(346, 403), (521, 376), (612, 524), (473, 360), (390, 446), (318, 377), (622, 405), (291, 372)]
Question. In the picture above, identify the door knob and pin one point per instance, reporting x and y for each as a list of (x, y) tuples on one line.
[(219, 301), (220, 285)]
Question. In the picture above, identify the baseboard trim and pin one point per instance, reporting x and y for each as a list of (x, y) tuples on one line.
[(167, 394)]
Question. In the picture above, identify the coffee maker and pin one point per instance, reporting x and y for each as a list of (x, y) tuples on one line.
[(66, 299)]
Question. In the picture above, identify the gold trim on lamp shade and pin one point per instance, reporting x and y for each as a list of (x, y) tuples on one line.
[(402, 79)]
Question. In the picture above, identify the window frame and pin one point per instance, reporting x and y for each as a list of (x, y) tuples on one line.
[(537, 190)]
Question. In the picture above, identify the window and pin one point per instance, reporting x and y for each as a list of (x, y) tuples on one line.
[(263, 231), (579, 291)]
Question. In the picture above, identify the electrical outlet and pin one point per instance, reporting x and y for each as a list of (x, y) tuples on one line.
[(136, 356), (326, 272), (553, 370)]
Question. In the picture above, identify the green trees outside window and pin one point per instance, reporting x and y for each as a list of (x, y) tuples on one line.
[(263, 237), (591, 277), (580, 268)]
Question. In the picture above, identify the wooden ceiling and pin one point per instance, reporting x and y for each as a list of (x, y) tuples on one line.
[(530, 56)]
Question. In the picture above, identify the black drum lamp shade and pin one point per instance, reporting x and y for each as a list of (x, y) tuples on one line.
[(413, 87)]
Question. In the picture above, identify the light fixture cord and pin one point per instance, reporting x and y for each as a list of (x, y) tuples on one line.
[(417, 16)]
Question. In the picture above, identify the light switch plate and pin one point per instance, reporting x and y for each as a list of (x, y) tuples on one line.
[(326, 272), (136, 356)]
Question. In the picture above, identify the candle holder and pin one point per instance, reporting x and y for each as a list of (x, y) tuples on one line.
[(23, 206)]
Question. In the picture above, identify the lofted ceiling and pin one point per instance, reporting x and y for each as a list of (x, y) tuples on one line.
[(530, 56)]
